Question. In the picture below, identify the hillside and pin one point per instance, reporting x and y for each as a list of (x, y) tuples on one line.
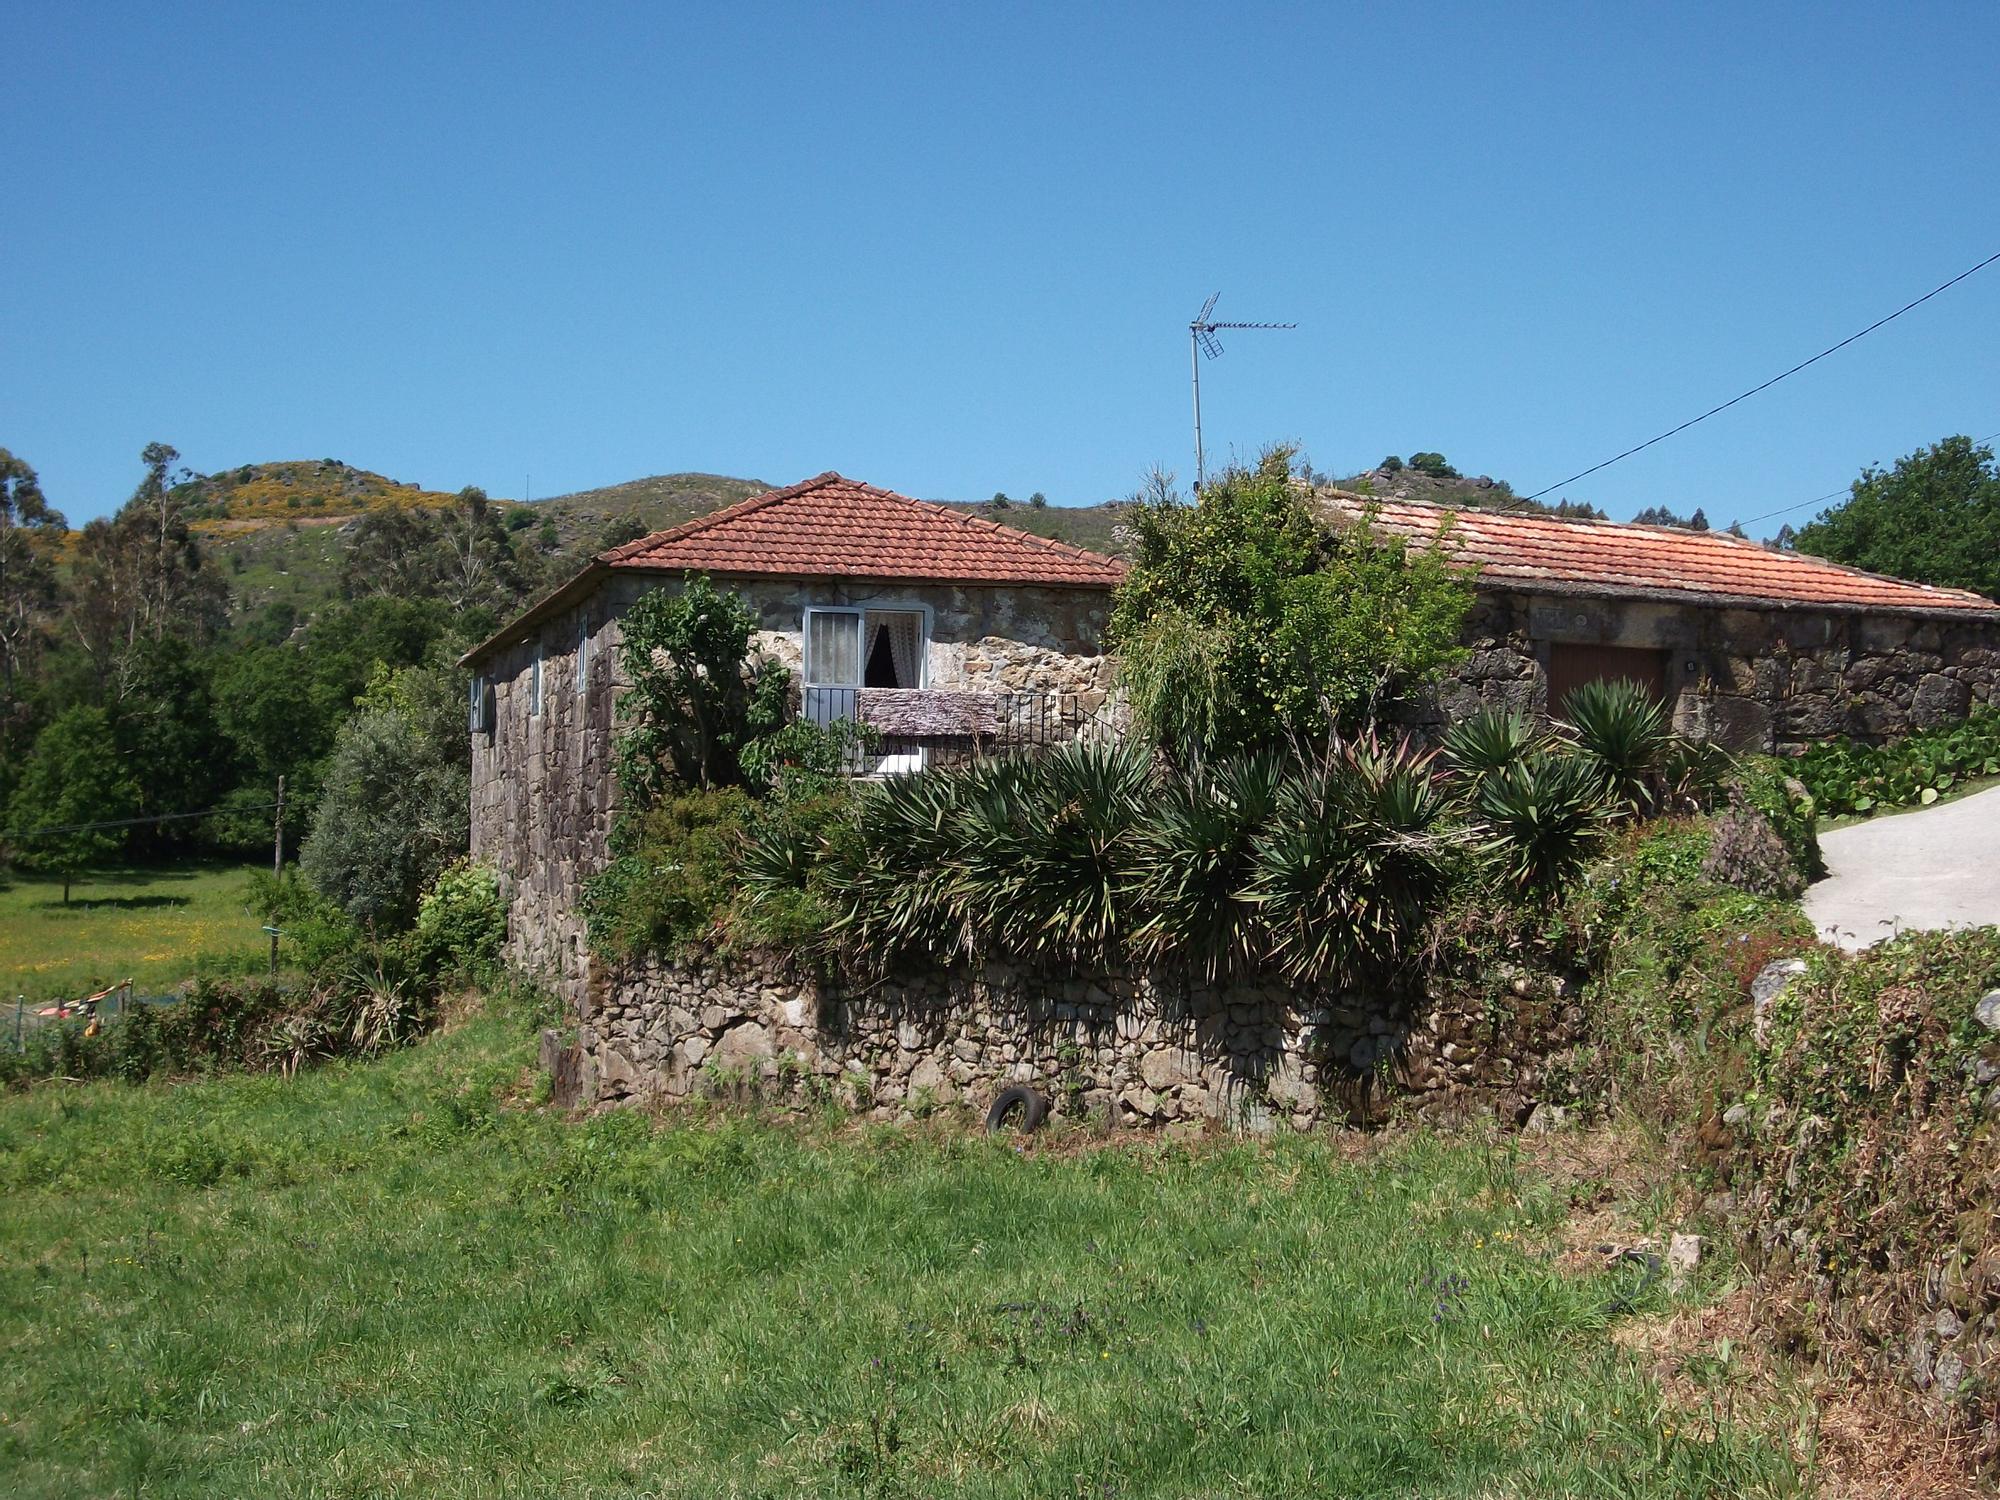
[(296, 490), (281, 529)]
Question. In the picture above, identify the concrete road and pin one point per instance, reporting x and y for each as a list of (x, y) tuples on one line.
[(1935, 867)]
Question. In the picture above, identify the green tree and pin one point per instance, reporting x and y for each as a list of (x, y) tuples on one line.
[(173, 748), (1934, 518), (74, 775), (696, 696), (394, 811), (1246, 619), (1433, 464), (143, 575), (29, 584)]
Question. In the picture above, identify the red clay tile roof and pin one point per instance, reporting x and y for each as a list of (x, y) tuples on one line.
[(1612, 558), (831, 527)]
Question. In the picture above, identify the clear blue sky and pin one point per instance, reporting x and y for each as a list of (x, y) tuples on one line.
[(953, 249)]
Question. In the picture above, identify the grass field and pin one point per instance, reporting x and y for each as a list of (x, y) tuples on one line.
[(152, 926), (401, 1278)]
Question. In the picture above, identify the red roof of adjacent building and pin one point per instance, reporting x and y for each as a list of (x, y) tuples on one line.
[(832, 527), (1613, 558)]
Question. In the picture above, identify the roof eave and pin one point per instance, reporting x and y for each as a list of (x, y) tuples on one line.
[(923, 580), (580, 585), (1490, 582)]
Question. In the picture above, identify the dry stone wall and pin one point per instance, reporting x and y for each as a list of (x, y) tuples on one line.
[(1134, 1051)]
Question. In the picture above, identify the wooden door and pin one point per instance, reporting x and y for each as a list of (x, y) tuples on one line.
[(1571, 666)]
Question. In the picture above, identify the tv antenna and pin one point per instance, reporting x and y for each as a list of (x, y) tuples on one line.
[(1202, 340)]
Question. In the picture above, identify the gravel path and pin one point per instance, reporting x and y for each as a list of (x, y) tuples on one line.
[(1936, 867)]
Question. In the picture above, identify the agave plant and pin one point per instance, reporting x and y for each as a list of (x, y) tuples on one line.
[(1198, 854), (1619, 728), (1357, 855), (1544, 817), (1490, 741)]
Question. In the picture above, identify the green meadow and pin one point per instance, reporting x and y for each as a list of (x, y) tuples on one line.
[(406, 1278), (154, 926)]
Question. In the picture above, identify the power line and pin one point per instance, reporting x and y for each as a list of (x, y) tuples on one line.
[(1785, 510), (1733, 400), (208, 812)]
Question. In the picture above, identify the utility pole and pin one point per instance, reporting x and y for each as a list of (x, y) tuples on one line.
[(277, 861), (1202, 340)]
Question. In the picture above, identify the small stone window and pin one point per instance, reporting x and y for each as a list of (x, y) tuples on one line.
[(479, 706), (583, 657), (535, 685)]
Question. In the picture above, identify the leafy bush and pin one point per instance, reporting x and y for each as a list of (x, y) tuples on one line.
[(671, 888), (782, 870), (1844, 776), (461, 925), (1491, 741), (1622, 730), (317, 934), (1246, 621), (1198, 857), (803, 759), (395, 808), (694, 697), (1545, 815), (1433, 464), (1872, 1131), (1354, 865)]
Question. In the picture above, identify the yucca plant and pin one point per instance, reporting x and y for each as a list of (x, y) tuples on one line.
[(1064, 872), (1544, 817), (1198, 855), (1357, 856), (1619, 728), (1490, 741), (1693, 773), (893, 881)]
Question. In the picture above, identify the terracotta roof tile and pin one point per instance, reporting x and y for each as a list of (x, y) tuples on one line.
[(832, 527), (1609, 557)]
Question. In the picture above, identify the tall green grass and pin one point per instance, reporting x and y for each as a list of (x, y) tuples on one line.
[(398, 1278)]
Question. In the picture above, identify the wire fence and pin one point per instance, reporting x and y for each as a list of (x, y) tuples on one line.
[(93, 1010), (923, 728)]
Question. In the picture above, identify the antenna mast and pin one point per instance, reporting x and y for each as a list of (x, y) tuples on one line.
[(1202, 340)]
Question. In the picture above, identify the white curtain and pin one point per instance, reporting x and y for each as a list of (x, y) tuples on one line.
[(833, 649), (905, 633)]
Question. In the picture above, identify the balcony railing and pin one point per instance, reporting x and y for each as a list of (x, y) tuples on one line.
[(919, 727)]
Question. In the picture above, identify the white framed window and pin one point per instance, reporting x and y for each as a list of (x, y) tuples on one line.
[(475, 715), (535, 685), (583, 656), (856, 648), (833, 648)]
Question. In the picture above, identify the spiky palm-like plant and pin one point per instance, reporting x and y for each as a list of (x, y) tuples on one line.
[(1356, 858), (1490, 741), (893, 879), (1544, 817), (1067, 864), (1198, 856), (1622, 730)]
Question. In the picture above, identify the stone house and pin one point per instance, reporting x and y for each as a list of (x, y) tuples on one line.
[(946, 631), (1756, 649), (942, 630)]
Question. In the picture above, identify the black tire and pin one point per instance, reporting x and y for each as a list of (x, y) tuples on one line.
[(1034, 1109)]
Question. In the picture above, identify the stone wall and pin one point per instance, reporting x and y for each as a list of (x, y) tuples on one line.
[(1772, 680), (1021, 639), (1132, 1051)]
